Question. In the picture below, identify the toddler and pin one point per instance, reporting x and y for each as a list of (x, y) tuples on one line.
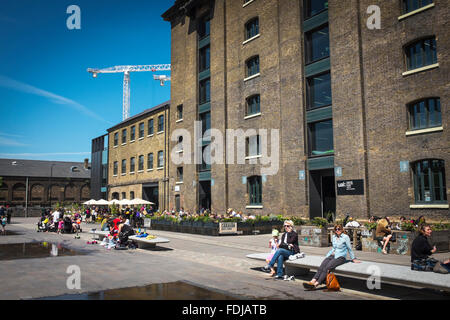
[(273, 244)]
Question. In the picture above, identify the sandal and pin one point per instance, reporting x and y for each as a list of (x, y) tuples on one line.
[(384, 251), (309, 285)]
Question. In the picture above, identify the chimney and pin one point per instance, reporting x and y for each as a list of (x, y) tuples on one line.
[(86, 163)]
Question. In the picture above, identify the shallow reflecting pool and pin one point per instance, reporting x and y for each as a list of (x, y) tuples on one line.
[(32, 250), (160, 291)]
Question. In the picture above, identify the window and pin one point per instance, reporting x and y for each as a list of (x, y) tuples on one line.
[(205, 118), (425, 114), (321, 138), (253, 105), (205, 91), (254, 190), (206, 159), (204, 59), (141, 163), (421, 53), (318, 91), (252, 28), (252, 66), (180, 144), (141, 130), (317, 44), (124, 195), (429, 181), (131, 195), (313, 7), (411, 5), (124, 136), (150, 161), (116, 168), (204, 27), (253, 146), (160, 159), (124, 166), (160, 123), (180, 174), (180, 112), (116, 139), (133, 133), (150, 126), (132, 164)]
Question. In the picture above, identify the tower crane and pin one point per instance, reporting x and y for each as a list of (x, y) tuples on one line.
[(126, 79)]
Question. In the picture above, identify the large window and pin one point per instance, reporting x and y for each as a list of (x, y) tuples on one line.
[(141, 130), (318, 91), (204, 59), (321, 138), (132, 164), (150, 127), (160, 159), (411, 5), (180, 174), (252, 28), (253, 146), (421, 53), (116, 138), (425, 114), (254, 185), (429, 181), (205, 118), (205, 91), (141, 163), (161, 123), (124, 136), (203, 27), (116, 168), (317, 44), (150, 161), (124, 166), (133, 133), (313, 7), (253, 105), (252, 65)]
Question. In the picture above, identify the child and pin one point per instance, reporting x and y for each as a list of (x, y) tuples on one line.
[(3, 221), (60, 225), (273, 244)]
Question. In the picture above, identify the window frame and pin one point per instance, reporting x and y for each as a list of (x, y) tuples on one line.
[(306, 8), (309, 98), (312, 140), (161, 123), (204, 91), (419, 181), (141, 162), (426, 101), (421, 5), (309, 47), (150, 161), (123, 167), (124, 136), (152, 127), (132, 164), (133, 133), (247, 104), (115, 168), (204, 58), (254, 190), (159, 160), (249, 69), (423, 55), (248, 35), (141, 130), (116, 139)]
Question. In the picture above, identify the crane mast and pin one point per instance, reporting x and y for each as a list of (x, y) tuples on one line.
[(126, 79)]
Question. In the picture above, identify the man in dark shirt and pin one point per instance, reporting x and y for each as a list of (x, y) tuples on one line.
[(421, 250)]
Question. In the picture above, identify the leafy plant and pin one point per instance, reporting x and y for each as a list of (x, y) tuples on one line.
[(408, 226), (330, 216), (320, 222), (370, 225), (440, 226)]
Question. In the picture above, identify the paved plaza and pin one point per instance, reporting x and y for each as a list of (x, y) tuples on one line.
[(214, 263)]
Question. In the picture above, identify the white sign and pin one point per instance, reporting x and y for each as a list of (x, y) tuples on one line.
[(227, 227), (176, 188), (147, 223)]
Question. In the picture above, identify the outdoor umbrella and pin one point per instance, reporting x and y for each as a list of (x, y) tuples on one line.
[(89, 202), (102, 202), (124, 202), (114, 201), (140, 201)]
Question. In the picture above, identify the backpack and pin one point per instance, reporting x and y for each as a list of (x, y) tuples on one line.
[(332, 282)]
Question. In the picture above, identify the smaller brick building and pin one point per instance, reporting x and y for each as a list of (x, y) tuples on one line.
[(31, 183)]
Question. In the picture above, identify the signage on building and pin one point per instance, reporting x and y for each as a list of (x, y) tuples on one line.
[(176, 188), (301, 175), (350, 187), (228, 228)]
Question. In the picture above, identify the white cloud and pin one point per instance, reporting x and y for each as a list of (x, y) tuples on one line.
[(23, 87), (11, 142)]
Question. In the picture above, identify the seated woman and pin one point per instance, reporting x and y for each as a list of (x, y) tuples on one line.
[(383, 233), (288, 246), (335, 257), (421, 251)]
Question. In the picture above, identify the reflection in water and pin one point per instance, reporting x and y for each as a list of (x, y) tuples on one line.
[(11, 251), (158, 291)]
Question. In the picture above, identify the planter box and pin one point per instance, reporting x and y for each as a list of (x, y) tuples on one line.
[(402, 245), (441, 239), (313, 236)]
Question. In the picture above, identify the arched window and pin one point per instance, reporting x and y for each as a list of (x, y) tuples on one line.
[(4, 192), (37, 192), (18, 192), (421, 53), (115, 195), (253, 105), (429, 181), (252, 28), (252, 66), (85, 192), (69, 192), (425, 113)]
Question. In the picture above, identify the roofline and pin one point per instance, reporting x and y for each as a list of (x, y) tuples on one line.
[(143, 113)]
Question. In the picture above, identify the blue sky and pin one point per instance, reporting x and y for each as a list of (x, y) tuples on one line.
[(50, 106)]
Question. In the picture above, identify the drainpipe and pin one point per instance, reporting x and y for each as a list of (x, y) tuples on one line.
[(26, 199)]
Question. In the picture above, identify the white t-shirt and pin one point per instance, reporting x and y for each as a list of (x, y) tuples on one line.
[(56, 215)]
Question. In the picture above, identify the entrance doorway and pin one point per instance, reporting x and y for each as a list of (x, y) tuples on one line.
[(204, 195), (151, 193), (322, 194)]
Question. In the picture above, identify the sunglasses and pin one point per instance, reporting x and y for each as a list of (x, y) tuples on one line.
[(338, 229)]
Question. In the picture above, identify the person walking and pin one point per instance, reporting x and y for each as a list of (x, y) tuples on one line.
[(335, 257)]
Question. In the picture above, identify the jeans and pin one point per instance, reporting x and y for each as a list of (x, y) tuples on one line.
[(446, 266), (279, 256), (327, 264)]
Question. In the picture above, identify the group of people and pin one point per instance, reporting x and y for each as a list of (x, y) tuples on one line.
[(230, 213), (5, 217), (287, 247), (59, 221), (119, 231)]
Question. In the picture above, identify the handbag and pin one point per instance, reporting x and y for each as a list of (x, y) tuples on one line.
[(332, 282)]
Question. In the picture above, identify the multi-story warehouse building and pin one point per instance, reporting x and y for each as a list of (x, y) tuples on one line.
[(137, 157), (358, 101)]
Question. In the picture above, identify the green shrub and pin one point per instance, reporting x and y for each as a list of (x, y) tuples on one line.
[(408, 226), (440, 226), (320, 222), (370, 226)]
